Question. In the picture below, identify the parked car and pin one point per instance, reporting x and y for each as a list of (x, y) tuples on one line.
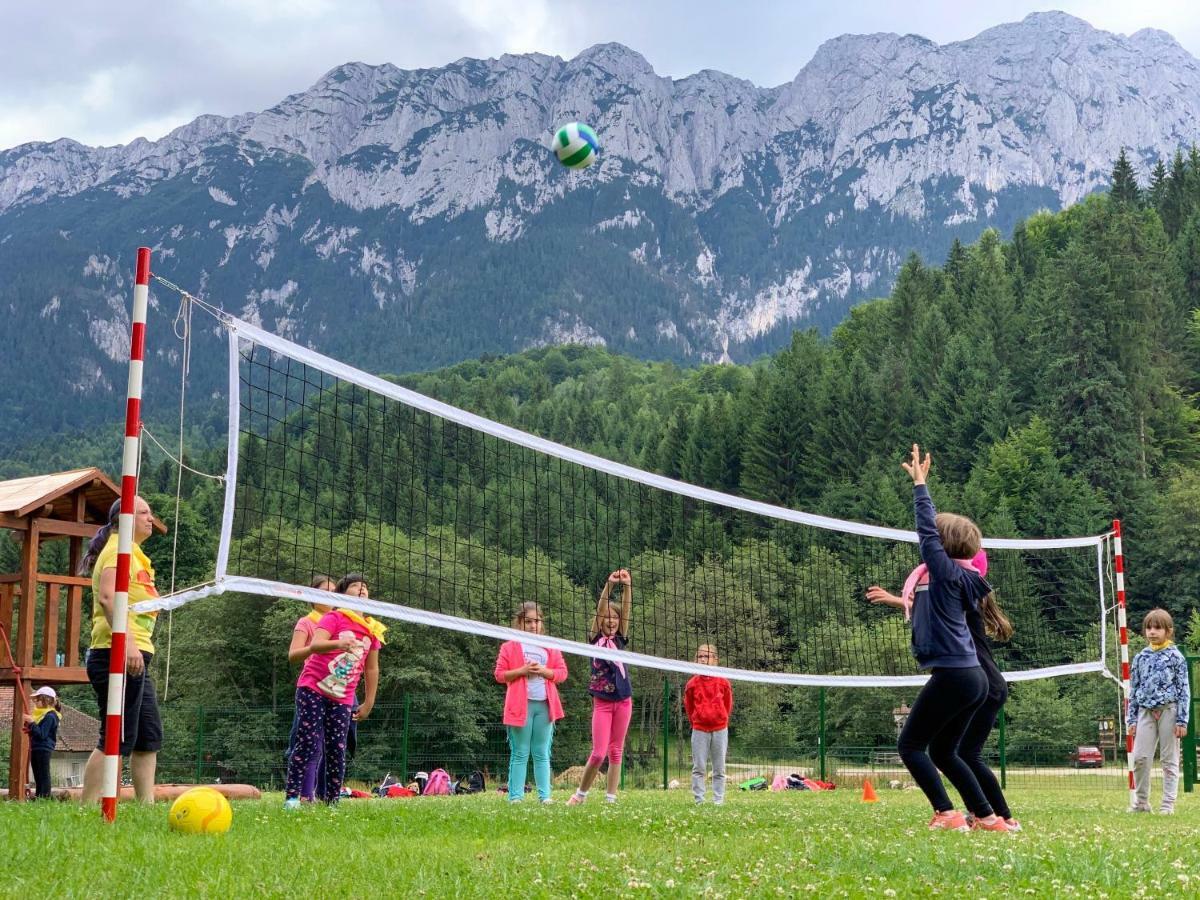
[(1087, 758)]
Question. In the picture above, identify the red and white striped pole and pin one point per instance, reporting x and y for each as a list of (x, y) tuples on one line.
[(129, 476), (1123, 637)]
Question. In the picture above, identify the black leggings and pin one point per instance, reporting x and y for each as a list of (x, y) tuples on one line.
[(931, 735), (39, 761), (970, 750)]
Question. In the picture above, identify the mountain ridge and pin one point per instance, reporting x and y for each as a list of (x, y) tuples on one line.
[(423, 206)]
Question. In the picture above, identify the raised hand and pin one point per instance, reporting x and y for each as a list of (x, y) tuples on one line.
[(917, 468)]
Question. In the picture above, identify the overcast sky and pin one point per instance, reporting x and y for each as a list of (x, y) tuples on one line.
[(107, 72)]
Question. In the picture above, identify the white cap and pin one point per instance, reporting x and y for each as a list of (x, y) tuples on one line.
[(46, 691)]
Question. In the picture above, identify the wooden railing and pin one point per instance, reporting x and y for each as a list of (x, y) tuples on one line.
[(43, 663)]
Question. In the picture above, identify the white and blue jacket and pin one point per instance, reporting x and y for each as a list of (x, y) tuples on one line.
[(1160, 678)]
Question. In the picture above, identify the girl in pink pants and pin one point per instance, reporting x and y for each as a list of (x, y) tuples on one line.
[(612, 695)]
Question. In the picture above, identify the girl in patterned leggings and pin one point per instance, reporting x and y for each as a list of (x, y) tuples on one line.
[(344, 647)]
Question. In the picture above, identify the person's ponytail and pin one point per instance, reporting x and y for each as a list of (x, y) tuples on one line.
[(99, 540), (995, 623)]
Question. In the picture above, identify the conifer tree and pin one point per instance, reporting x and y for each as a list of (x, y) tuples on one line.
[(1124, 183), (1159, 181)]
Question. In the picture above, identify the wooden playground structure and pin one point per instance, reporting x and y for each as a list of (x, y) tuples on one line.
[(69, 506)]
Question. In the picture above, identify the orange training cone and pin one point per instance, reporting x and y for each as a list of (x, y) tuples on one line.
[(869, 795)]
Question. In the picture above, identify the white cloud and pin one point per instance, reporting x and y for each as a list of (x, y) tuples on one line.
[(106, 73)]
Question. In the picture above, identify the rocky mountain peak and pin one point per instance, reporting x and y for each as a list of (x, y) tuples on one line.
[(720, 214)]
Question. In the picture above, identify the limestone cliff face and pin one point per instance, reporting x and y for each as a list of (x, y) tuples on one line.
[(730, 212)]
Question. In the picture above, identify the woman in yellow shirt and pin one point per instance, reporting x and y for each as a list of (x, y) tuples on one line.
[(142, 726)]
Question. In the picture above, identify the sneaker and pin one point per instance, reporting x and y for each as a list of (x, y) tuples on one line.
[(949, 821), (515, 799), (610, 798), (547, 801), (1166, 811), (997, 824), (575, 800), (1138, 809), (291, 803), (1013, 825)]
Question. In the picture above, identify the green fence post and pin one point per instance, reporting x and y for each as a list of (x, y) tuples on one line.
[(666, 725), (1003, 752), (821, 734), (199, 742), (1189, 739), (404, 744)]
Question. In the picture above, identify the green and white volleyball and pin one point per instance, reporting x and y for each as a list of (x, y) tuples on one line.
[(576, 146)]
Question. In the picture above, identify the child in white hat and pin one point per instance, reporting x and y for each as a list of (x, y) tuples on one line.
[(42, 725)]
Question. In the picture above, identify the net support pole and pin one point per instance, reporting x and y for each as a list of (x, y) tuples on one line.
[(129, 474), (404, 743), (821, 734), (1123, 640), (200, 745), (666, 725)]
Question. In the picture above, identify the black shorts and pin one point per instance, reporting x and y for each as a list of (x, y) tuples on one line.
[(142, 724)]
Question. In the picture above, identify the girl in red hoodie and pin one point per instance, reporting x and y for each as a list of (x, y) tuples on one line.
[(531, 705), (708, 701)]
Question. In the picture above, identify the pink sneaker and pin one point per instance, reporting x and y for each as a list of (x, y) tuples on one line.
[(1013, 825), (949, 821), (575, 800), (997, 824)]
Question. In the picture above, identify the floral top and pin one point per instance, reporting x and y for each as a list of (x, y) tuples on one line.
[(1160, 677), (610, 680)]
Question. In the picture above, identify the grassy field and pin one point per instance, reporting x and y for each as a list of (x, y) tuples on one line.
[(652, 843)]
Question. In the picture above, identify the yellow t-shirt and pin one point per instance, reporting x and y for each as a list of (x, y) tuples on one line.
[(141, 587)]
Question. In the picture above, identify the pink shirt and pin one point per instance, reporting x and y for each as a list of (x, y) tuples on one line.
[(336, 674), (307, 627)]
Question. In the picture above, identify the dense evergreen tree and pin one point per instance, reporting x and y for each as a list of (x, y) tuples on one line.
[(1054, 376), (1124, 181)]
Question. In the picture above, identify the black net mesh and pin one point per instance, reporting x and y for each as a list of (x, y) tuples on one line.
[(440, 517)]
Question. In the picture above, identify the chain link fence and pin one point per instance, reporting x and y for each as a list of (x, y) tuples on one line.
[(817, 733)]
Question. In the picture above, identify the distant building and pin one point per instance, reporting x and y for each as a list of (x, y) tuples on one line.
[(77, 736)]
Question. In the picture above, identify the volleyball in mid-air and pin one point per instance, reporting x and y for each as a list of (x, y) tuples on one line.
[(575, 145), (201, 810)]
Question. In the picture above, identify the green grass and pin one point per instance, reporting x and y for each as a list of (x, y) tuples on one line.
[(654, 843)]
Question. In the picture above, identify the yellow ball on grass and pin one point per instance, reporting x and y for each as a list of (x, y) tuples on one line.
[(201, 810)]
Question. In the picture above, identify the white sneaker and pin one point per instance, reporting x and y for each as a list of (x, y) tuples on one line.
[(1166, 811)]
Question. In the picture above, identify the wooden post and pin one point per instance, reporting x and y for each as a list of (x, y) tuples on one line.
[(6, 620), (50, 627), (74, 591), (18, 768)]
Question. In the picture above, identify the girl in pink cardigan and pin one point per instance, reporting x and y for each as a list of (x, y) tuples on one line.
[(531, 704)]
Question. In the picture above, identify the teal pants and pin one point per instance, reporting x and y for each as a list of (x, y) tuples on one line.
[(531, 739)]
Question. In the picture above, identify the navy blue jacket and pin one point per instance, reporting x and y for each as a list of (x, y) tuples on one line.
[(940, 634), (44, 735)]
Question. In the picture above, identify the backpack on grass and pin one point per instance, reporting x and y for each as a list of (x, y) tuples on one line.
[(474, 783), (438, 784), (754, 784)]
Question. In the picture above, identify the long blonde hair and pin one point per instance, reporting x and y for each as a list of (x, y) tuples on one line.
[(995, 623)]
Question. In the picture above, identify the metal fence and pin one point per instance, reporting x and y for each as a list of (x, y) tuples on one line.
[(206, 744)]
